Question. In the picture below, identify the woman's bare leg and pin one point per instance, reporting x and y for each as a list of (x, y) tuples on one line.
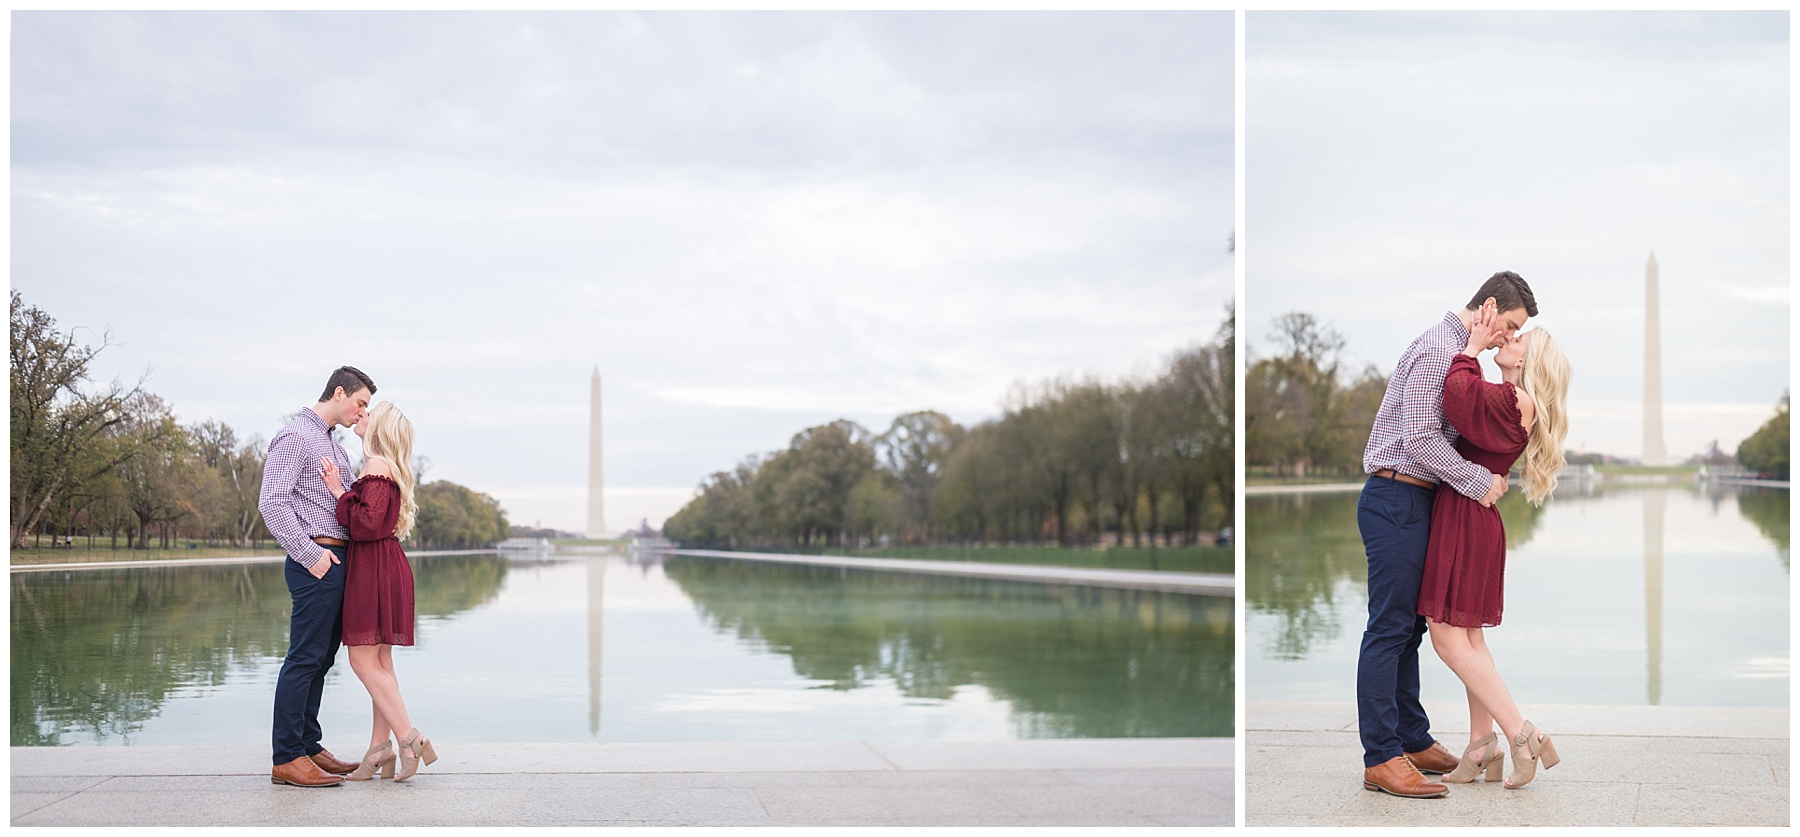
[(383, 686), (1478, 639), (1481, 723), (381, 729), (387, 665), (1465, 651)]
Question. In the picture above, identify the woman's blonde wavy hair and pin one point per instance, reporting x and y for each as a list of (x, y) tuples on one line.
[(1546, 380), (390, 436)]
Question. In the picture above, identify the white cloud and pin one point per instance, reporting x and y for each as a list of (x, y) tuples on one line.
[(1397, 160), (1765, 294), (775, 219)]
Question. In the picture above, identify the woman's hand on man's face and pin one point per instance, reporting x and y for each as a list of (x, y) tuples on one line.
[(1485, 331)]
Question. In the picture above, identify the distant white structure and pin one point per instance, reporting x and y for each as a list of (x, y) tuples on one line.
[(1654, 452), (526, 549), (596, 516)]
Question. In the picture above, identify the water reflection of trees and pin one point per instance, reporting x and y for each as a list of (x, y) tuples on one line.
[(1520, 517), (445, 585), (95, 654), (1767, 508), (1074, 661), (1299, 547)]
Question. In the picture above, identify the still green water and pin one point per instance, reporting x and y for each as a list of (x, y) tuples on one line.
[(1615, 595), (604, 649)]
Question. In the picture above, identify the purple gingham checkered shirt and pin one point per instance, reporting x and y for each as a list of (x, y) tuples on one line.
[(1410, 433), (295, 504)]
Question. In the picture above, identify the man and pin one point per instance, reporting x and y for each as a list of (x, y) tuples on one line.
[(1410, 451), (301, 513)]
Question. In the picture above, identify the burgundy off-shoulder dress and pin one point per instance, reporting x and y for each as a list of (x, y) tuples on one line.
[(1465, 560), (378, 583)]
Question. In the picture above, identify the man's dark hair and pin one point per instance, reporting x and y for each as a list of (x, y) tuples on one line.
[(350, 378), (1508, 290)]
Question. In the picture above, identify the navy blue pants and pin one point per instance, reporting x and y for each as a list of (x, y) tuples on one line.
[(314, 634), (1395, 520)]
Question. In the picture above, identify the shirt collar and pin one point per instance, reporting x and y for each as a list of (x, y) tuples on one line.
[(317, 421), (1456, 326)]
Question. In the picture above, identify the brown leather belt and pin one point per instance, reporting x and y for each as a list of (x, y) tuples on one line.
[(325, 541), (1389, 473)]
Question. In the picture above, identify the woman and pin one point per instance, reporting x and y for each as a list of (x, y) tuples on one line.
[(1465, 560), (379, 510)]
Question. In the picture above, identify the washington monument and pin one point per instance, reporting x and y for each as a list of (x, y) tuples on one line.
[(1654, 453), (596, 518)]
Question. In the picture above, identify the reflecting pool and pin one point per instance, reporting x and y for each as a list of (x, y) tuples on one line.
[(1615, 595), (604, 649)]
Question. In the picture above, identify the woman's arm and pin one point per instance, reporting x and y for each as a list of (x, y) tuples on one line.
[(364, 509), (1481, 412), (1422, 427)]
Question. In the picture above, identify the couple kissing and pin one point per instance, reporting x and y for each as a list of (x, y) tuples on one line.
[(1443, 442), (348, 577)]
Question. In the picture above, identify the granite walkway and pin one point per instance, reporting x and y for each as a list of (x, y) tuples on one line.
[(1621, 765), (1112, 782), (1211, 584)]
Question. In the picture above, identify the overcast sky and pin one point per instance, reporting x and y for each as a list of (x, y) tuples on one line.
[(750, 223), (1395, 161)]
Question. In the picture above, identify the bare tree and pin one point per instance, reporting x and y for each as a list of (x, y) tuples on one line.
[(58, 431)]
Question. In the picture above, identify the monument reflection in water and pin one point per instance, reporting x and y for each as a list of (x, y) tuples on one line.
[(602, 649), (1615, 594)]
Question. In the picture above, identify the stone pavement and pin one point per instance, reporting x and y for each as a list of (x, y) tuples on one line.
[(1213, 584), (1147, 782), (1621, 765)]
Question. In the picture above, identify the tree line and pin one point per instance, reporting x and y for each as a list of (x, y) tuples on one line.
[(1068, 462), (114, 462), (1305, 414), (1766, 450)]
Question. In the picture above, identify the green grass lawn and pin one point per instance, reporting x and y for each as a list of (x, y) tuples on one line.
[(82, 555), (1195, 559)]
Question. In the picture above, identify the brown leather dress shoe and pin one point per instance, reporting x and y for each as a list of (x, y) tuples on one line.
[(1435, 760), (1398, 777), (330, 763), (301, 772)]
